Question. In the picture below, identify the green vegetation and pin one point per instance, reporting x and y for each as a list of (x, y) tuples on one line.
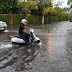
[(56, 18), (50, 11), (71, 14), (4, 18), (17, 19), (38, 19), (8, 6), (31, 8), (26, 7), (70, 1)]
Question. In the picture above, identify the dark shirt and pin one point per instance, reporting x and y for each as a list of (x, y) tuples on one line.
[(21, 28)]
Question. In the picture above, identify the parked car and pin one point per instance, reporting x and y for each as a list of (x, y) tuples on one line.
[(3, 26), (70, 19)]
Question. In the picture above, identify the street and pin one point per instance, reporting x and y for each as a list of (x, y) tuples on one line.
[(53, 55)]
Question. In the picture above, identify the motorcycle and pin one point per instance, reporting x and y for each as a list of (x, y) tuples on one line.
[(18, 40)]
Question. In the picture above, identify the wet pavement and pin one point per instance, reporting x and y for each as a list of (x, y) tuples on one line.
[(53, 55)]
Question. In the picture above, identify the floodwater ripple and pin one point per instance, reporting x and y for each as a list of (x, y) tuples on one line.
[(53, 54)]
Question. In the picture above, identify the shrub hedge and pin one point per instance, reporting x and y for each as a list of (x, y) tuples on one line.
[(17, 19), (4, 18)]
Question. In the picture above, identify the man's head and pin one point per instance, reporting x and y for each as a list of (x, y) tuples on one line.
[(24, 21)]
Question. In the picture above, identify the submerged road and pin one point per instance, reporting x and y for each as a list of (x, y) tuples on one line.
[(53, 55)]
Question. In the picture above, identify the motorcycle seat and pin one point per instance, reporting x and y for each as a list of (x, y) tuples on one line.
[(18, 36)]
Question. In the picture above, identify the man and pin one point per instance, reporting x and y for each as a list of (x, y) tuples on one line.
[(25, 35)]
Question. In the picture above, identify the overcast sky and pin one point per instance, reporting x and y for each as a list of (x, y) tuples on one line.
[(62, 3)]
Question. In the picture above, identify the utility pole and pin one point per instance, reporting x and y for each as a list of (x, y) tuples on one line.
[(43, 13)]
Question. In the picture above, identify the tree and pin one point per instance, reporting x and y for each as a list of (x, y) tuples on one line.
[(8, 6), (50, 11), (58, 9), (43, 4), (69, 1), (28, 6)]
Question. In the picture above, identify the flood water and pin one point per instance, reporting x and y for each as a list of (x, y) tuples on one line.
[(54, 54)]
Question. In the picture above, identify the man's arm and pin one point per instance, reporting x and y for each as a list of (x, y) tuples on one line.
[(26, 27), (25, 32)]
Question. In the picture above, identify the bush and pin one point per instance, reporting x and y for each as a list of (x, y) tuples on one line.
[(17, 19), (30, 20), (50, 11), (37, 19), (4, 18)]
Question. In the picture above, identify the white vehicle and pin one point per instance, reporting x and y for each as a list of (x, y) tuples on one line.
[(18, 40), (3, 26)]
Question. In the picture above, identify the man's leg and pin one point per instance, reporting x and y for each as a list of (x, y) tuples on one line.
[(28, 37), (23, 35)]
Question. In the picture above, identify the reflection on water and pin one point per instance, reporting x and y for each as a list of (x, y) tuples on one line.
[(69, 46), (53, 54), (49, 43)]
